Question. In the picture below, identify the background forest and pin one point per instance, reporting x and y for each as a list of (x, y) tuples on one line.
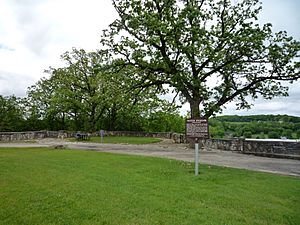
[(255, 126), (17, 114)]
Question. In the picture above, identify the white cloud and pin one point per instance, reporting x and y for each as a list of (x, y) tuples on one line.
[(278, 105), (284, 15), (34, 33), (10, 81)]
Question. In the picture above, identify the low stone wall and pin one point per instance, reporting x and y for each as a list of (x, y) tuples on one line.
[(262, 147), (31, 135), (272, 148), (167, 135), (177, 137), (223, 144)]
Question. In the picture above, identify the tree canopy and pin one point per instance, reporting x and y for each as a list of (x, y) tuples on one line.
[(88, 94), (11, 117), (255, 126), (209, 52)]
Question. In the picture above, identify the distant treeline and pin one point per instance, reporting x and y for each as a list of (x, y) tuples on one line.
[(259, 118), (24, 114), (16, 116), (255, 126)]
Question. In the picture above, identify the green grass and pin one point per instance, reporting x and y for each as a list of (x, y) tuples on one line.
[(123, 140), (43, 186), (20, 141)]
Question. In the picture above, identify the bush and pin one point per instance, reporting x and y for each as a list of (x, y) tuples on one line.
[(247, 134), (273, 134)]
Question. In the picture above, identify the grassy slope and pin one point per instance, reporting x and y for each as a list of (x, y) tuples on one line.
[(41, 186), (123, 140)]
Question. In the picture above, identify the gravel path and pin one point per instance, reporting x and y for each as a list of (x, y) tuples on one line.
[(168, 149)]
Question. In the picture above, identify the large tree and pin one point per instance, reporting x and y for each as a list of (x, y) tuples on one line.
[(209, 52), (89, 94), (76, 93)]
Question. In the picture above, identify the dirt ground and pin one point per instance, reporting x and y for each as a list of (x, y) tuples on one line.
[(168, 149)]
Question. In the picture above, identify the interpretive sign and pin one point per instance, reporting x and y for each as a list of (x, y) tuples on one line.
[(101, 133), (197, 128)]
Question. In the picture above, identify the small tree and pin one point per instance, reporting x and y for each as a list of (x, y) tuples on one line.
[(209, 52), (288, 133), (273, 134), (247, 134), (298, 134), (11, 114)]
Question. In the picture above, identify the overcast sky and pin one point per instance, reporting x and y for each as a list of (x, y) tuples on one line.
[(34, 33)]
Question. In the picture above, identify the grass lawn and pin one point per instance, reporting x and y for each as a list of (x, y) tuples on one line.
[(123, 140), (20, 141), (43, 186)]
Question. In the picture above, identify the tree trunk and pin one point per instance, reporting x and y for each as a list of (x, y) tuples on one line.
[(63, 122), (77, 121), (195, 108), (92, 120), (113, 118)]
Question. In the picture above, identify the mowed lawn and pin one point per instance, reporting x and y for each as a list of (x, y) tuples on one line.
[(44, 186), (122, 140)]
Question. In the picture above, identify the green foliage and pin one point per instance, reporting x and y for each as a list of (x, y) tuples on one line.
[(87, 94), (298, 134), (188, 44), (273, 134), (162, 121), (257, 126), (260, 118), (11, 116), (42, 186), (216, 128), (247, 134)]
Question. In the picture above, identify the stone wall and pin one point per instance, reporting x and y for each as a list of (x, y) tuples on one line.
[(262, 147), (272, 148), (167, 135), (223, 144), (31, 135), (177, 137)]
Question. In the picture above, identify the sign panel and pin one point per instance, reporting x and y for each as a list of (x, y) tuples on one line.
[(101, 133), (197, 128)]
